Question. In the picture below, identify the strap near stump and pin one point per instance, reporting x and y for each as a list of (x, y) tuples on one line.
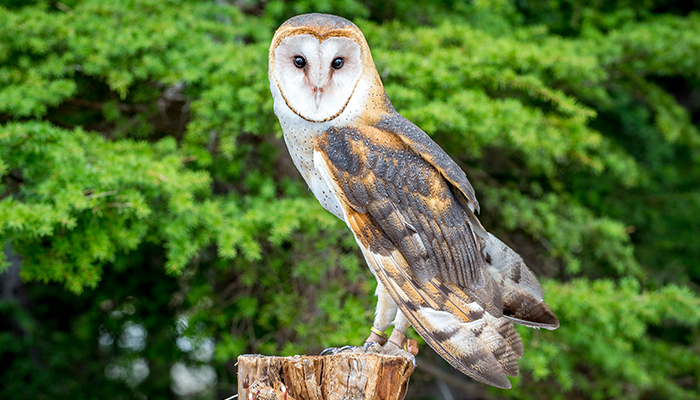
[(399, 339), (377, 336)]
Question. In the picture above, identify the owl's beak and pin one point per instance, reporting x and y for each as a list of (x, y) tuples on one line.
[(318, 92)]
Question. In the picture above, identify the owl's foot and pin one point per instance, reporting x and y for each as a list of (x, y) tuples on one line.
[(378, 343), (377, 336), (399, 345), (400, 341), (368, 347), (331, 351), (389, 349)]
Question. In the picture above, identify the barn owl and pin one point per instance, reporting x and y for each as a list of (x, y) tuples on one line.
[(408, 204)]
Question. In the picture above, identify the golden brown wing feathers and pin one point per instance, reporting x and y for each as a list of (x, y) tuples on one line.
[(418, 240), (470, 339), (413, 206), (422, 144)]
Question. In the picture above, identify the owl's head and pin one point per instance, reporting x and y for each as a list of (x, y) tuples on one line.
[(317, 62)]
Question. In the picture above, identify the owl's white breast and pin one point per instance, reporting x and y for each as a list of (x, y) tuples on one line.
[(299, 135)]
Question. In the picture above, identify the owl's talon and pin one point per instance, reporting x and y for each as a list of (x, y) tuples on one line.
[(392, 349), (347, 348), (373, 347), (331, 351), (328, 352)]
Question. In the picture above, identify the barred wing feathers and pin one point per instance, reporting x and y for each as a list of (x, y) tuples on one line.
[(418, 141), (473, 341), (522, 295), (523, 300), (419, 242)]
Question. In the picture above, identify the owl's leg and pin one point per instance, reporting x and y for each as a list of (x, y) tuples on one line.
[(398, 340), (385, 312)]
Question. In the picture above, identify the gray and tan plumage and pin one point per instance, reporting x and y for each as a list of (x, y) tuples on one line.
[(409, 205)]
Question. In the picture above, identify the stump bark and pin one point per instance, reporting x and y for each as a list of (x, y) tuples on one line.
[(341, 376)]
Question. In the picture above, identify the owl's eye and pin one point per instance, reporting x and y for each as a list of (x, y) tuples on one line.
[(338, 63), (299, 62)]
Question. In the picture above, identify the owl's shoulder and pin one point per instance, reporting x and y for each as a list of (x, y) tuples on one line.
[(419, 142)]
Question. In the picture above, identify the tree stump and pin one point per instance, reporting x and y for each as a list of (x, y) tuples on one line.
[(341, 376)]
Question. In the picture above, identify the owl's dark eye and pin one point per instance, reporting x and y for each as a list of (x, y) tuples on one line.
[(299, 62), (338, 63)]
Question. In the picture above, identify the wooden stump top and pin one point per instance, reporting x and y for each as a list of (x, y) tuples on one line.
[(341, 376)]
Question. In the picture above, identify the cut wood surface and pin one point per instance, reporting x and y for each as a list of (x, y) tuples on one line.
[(340, 376)]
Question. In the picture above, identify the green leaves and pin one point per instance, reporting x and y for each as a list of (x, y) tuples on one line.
[(84, 200), (594, 246), (614, 327)]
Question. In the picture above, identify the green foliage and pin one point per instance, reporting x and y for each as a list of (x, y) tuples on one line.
[(142, 169), (617, 328), (75, 210)]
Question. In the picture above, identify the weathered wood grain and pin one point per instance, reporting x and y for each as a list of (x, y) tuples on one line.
[(342, 376)]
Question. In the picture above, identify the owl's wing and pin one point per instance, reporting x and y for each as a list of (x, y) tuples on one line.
[(422, 144), (419, 242), (523, 301), (408, 198), (522, 295)]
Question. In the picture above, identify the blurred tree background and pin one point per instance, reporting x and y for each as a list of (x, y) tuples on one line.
[(153, 228)]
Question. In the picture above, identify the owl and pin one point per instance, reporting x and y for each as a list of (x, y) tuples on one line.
[(409, 206)]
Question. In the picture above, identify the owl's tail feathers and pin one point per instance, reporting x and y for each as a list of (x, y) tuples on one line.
[(486, 349), (473, 341), (523, 300)]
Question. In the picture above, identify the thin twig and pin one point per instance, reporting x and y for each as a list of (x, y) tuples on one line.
[(120, 205), (102, 194)]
